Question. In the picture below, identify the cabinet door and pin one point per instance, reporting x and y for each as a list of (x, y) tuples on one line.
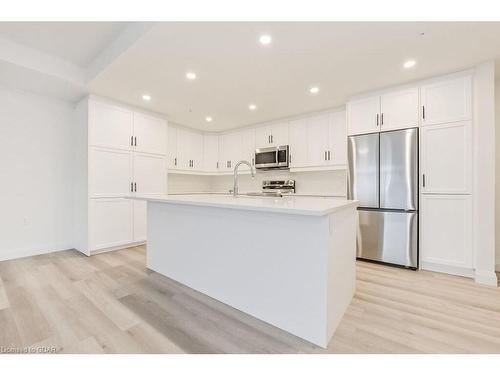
[(197, 151), (363, 115), (150, 174), (338, 139), (279, 134), (150, 134), (186, 144), (318, 140), (248, 146), (446, 230), (172, 160), (210, 152), (110, 222), (298, 143), (140, 220), (399, 110), (446, 101), (110, 172), (110, 126), (262, 137), (446, 158), (231, 150)]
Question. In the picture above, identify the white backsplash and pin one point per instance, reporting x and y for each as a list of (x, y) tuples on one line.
[(321, 182), (183, 183)]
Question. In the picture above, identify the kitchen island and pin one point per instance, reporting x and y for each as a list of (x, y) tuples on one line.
[(288, 261)]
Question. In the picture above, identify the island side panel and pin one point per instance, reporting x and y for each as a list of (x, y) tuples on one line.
[(269, 265), (341, 266)]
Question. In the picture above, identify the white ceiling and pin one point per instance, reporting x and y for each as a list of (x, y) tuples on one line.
[(234, 70), (75, 42)]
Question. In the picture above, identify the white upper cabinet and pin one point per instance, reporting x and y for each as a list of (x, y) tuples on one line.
[(149, 174), (446, 101), (318, 140), (248, 146), (150, 134), (110, 126), (172, 161), (446, 158), (210, 152), (279, 134), (399, 110), (297, 132), (338, 139), (110, 172), (189, 150), (271, 135), (230, 150), (363, 115)]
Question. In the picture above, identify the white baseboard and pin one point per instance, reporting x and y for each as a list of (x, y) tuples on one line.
[(108, 249), (24, 253), (486, 278), (444, 268)]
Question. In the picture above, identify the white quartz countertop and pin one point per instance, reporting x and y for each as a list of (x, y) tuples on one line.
[(312, 206)]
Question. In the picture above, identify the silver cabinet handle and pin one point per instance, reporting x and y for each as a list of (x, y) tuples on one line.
[(382, 118), (328, 154), (132, 187), (253, 161), (217, 165), (131, 140), (325, 155), (175, 161), (135, 141), (377, 119), (423, 180), (135, 187)]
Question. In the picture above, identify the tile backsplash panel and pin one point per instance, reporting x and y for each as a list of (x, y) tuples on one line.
[(319, 182)]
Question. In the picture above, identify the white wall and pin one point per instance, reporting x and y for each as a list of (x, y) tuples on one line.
[(35, 174), (182, 183), (497, 173), (484, 173)]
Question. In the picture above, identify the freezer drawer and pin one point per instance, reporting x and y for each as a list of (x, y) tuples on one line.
[(399, 169), (388, 236), (363, 173)]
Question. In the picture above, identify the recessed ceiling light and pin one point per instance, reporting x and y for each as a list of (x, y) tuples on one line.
[(191, 76), (314, 90), (252, 107), (265, 39), (409, 64), (146, 97), (208, 119)]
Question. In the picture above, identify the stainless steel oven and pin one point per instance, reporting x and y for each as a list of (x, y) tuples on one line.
[(271, 157)]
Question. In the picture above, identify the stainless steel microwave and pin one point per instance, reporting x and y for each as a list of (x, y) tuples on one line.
[(272, 157)]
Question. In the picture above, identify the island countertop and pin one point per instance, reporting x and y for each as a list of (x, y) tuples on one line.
[(311, 206)]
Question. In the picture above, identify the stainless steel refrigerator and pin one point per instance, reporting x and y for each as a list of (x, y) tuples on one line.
[(383, 176)]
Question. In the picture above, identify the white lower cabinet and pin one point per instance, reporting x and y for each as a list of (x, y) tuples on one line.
[(110, 223), (446, 233), (140, 221)]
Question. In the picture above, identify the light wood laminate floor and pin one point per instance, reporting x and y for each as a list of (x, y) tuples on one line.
[(110, 303)]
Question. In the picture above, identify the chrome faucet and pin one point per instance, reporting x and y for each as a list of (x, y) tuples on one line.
[(235, 185)]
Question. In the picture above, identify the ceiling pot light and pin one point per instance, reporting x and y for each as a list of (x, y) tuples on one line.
[(191, 76), (409, 64), (208, 119), (252, 107), (146, 97), (314, 90), (265, 39)]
